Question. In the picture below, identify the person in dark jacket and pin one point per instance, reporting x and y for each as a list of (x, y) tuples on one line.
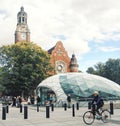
[(32, 99), (97, 101), (14, 101), (20, 101), (38, 100)]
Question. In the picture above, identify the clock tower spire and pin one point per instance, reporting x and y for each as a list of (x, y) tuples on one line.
[(22, 33)]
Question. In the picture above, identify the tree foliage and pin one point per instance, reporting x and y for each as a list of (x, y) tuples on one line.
[(110, 70), (23, 66)]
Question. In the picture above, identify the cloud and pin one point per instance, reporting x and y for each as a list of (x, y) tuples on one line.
[(109, 49), (74, 22)]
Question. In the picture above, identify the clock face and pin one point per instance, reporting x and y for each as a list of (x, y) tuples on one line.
[(23, 36), (60, 66)]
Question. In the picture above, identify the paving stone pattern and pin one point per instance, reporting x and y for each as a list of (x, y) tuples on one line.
[(58, 117)]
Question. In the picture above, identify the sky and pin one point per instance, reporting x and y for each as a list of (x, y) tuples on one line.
[(88, 28)]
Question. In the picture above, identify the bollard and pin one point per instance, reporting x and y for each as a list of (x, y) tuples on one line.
[(73, 110), (37, 107), (52, 107), (47, 112), (89, 105), (77, 106), (111, 108), (20, 108), (7, 108), (3, 113), (25, 112), (65, 106)]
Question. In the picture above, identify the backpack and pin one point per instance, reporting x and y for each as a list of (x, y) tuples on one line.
[(101, 102)]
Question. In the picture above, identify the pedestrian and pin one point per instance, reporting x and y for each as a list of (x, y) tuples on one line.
[(28, 100), (17, 102), (20, 101), (69, 100), (51, 99), (32, 99), (14, 101), (38, 100)]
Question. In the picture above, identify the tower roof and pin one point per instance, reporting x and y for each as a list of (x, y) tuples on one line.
[(22, 12), (22, 16), (73, 60), (73, 64)]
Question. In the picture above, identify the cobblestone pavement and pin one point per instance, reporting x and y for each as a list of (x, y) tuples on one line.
[(58, 117)]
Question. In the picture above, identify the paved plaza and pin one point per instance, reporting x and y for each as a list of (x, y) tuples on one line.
[(58, 117)]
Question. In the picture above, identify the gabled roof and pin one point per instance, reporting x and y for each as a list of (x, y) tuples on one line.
[(51, 49)]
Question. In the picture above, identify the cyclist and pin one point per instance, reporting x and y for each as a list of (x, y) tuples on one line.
[(98, 101)]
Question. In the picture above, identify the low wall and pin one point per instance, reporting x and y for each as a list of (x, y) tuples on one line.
[(116, 104)]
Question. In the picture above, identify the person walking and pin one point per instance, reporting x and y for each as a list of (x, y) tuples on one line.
[(69, 100), (32, 99), (51, 99), (14, 101), (38, 100), (20, 101)]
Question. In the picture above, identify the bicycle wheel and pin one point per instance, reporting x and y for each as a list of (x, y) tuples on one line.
[(106, 116), (88, 117)]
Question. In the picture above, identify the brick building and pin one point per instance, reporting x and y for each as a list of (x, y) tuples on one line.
[(60, 60)]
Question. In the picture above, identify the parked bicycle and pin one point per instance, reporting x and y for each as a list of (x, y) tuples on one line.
[(90, 116)]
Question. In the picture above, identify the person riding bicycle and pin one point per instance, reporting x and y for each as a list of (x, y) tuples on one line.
[(98, 101)]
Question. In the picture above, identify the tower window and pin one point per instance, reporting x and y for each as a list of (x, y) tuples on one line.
[(19, 19), (23, 19)]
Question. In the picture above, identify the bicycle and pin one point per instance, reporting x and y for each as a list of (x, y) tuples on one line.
[(90, 116)]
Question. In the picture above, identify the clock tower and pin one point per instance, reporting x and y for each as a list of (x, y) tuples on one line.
[(22, 33)]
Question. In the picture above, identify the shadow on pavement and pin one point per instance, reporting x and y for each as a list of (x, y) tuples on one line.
[(115, 121)]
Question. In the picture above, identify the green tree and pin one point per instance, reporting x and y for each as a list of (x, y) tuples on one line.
[(112, 70), (90, 70), (24, 66), (109, 69), (2, 88), (98, 69)]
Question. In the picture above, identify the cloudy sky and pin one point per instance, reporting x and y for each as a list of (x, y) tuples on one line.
[(88, 28)]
